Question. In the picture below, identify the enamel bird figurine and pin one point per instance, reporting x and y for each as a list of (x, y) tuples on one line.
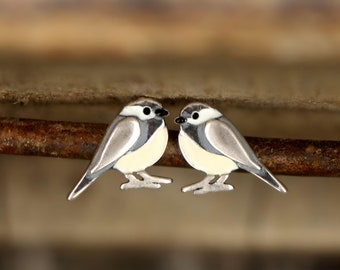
[(135, 140), (210, 143)]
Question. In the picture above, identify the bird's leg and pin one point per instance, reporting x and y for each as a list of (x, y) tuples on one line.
[(220, 185), (153, 179), (200, 186), (134, 182)]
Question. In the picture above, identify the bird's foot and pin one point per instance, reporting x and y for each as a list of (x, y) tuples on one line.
[(213, 188), (139, 184), (147, 181), (135, 183), (205, 186), (147, 178)]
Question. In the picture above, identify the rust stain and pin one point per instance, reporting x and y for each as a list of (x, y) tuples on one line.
[(80, 140)]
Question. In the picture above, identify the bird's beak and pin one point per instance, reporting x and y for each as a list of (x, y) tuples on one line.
[(180, 120), (161, 112)]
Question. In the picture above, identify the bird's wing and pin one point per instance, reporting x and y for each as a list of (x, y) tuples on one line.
[(224, 137), (118, 140)]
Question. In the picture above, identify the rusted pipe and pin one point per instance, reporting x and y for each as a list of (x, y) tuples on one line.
[(80, 140)]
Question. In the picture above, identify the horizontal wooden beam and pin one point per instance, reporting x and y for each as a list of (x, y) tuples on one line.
[(222, 83), (250, 31)]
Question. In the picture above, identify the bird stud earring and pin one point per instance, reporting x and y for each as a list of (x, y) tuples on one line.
[(210, 143), (135, 140)]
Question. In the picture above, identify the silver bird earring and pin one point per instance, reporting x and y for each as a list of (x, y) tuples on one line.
[(135, 140), (210, 143)]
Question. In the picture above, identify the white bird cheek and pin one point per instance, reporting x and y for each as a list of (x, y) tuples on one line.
[(143, 116), (204, 116), (131, 111), (136, 111), (208, 114), (194, 122)]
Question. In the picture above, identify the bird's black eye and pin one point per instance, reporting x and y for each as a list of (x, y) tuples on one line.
[(195, 115), (146, 110)]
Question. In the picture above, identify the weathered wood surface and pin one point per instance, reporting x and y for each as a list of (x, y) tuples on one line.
[(253, 217), (85, 60), (273, 30), (222, 83)]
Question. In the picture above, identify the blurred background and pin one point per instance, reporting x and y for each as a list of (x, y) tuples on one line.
[(271, 66)]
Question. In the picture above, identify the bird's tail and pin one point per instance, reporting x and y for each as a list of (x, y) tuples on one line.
[(270, 179), (83, 184)]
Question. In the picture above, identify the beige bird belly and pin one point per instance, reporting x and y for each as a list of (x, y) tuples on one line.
[(145, 156), (202, 160)]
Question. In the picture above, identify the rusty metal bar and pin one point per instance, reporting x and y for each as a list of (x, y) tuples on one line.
[(80, 140)]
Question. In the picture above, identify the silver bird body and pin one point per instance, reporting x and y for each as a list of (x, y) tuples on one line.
[(210, 143), (134, 141)]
